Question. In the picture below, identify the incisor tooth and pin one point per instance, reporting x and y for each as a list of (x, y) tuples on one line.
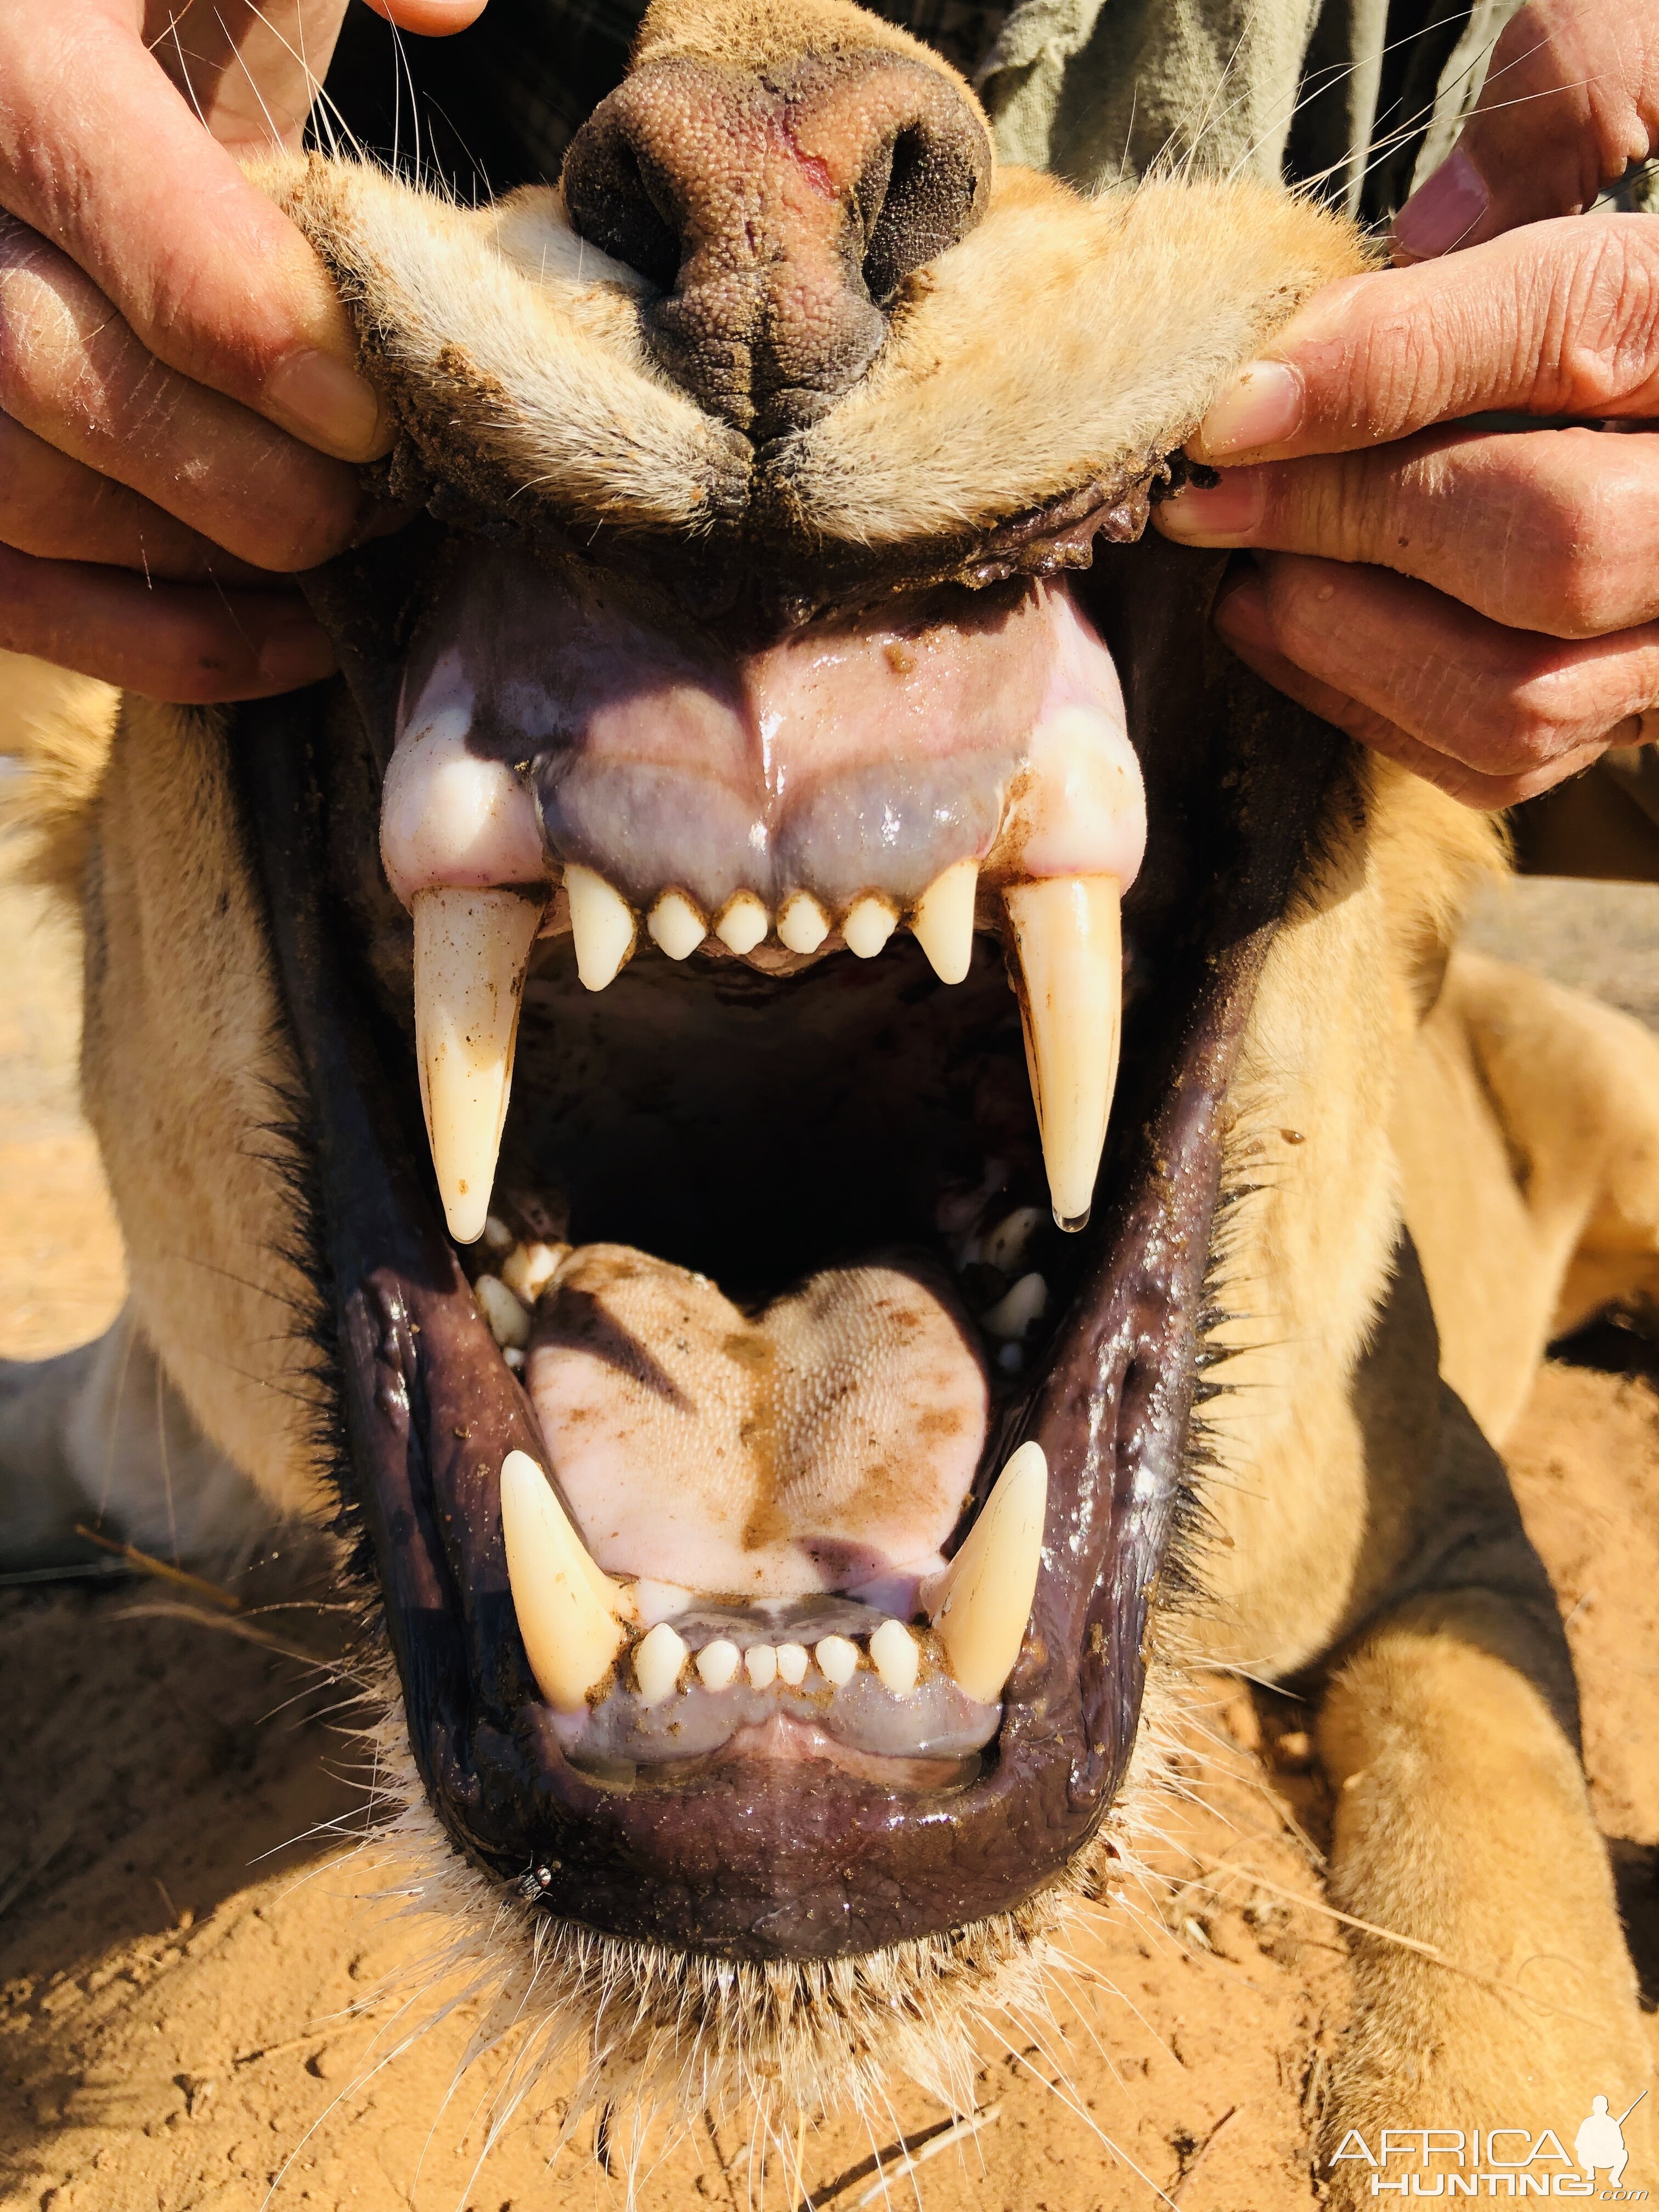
[(803, 925), (657, 1659), (742, 924), (471, 948), (601, 925), (942, 923), (718, 1663), (792, 1664), (568, 1611), (676, 924), (1068, 948), (870, 922), (509, 1323), (760, 1663), (839, 1658), (980, 1604), (894, 1655)]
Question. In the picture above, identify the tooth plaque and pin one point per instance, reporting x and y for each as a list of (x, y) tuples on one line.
[(1068, 956), (472, 950)]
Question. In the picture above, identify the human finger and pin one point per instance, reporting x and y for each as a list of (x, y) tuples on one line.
[(1571, 99), (1555, 530), (75, 374), (1501, 704), (61, 510), (191, 642), (1558, 318)]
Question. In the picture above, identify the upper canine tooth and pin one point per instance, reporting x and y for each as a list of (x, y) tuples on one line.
[(942, 923), (742, 924), (657, 1659), (568, 1611), (1068, 951), (471, 948), (803, 925), (979, 1605), (676, 924), (870, 922), (894, 1655), (601, 924)]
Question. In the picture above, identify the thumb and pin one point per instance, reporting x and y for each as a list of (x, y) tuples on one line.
[(1571, 99)]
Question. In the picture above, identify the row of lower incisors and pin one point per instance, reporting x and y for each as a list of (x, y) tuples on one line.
[(472, 949), (580, 1627)]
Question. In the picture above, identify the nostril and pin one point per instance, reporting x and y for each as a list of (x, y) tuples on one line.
[(612, 205), (919, 195), (885, 250)]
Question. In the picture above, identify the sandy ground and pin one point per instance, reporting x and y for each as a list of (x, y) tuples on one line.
[(196, 2012)]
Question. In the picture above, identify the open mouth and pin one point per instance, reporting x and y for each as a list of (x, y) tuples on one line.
[(769, 1316)]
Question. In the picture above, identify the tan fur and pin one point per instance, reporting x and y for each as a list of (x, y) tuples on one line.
[(56, 728), (1385, 1085)]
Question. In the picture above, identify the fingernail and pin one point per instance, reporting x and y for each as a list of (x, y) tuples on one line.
[(1223, 514), (326, 404), (1241, 611), (296, 651), (1441, 213), (1263, 406)]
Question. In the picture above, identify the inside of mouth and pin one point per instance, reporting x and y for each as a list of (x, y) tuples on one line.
[(772, 1244)]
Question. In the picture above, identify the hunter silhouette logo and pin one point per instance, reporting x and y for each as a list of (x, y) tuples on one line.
[(1499, 2161)]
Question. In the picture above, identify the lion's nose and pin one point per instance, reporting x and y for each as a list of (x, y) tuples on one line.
[(778, 212)]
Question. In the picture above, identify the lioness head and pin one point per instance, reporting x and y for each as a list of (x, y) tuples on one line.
[(767, 1426)]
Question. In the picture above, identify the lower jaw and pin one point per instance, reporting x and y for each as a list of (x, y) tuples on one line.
[(749, 1854)]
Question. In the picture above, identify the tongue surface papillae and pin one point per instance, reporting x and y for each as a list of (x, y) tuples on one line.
[(827, 1443)]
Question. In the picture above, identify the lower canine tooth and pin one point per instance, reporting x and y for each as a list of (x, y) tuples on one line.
[(803, 925), (657, 1659), (471, 948), (980, 1604), (676, 924), (893, 1652), (870, 922), (942, 923), (792, 1664), (601, 925), (838, 1656), (742, 924), (1068, 948), (568, 1611)]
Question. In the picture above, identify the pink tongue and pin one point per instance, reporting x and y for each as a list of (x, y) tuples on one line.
[(828, 1442)]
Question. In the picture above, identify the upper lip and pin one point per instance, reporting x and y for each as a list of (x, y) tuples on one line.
[(754, 1859)]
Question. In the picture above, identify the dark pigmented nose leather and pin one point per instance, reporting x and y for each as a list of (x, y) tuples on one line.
[(779, 215)]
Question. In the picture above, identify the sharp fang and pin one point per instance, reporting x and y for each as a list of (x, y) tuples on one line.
[(760, 1663), (718, 1663), (870, 922), (471, 948), (980, 1604), (1068, 951), (568, 1611), (676, 925), (602, 925), (1017, 1312), (792, 1664), (803, 925), (742, 924), (942, 923), (838, 1656), (657, 1659), (894, 1654), (510, 1320)]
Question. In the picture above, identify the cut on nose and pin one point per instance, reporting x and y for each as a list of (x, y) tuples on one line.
[(778, 215)]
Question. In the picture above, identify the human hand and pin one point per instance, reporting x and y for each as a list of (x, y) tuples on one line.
[(1481, 605), (180, 406)]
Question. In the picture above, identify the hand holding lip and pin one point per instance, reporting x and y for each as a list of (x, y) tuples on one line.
[(175, 438), (1477, 603)]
